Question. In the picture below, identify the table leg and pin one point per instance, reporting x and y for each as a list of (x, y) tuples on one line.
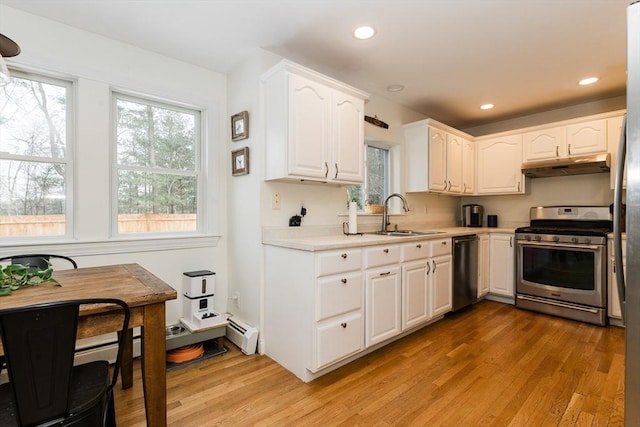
[(154, 368), (126, 363)]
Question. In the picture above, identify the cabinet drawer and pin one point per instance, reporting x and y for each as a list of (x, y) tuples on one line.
[(381, 255), (440, 247), (339, 339), (339, 294), (414, 250), (338, 262)]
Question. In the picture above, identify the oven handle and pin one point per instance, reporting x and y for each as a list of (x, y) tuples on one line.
[(559, 304), (559, 245)]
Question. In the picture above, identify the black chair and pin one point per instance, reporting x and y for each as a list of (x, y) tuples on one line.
[(44, 387), (40, 261)]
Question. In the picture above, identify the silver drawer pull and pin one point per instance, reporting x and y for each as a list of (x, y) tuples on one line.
[(419, 246), (343, 324), (385, 274), (344, 280), (386, 251), (344, 256)]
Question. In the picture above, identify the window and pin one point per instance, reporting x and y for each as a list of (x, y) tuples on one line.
[(35, 157), (376, 178), (157, 176)]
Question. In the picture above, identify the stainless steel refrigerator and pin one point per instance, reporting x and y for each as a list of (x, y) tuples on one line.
[(630, 149)]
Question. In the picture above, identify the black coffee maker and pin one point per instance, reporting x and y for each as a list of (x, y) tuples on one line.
[(472, 215)]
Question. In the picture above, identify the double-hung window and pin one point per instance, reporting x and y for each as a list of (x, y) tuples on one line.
[(376, 178), (36, 168), (157, 180)]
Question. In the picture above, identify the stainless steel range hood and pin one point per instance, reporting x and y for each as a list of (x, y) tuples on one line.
[(579, 165)]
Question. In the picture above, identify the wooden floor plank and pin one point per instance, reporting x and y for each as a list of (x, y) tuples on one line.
[(489, 365)]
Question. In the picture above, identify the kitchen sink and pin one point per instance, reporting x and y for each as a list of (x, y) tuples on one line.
[(407, 232)]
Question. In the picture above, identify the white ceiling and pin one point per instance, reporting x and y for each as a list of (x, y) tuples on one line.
[(451, 55)]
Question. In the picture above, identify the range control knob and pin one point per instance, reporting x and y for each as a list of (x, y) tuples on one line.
[(537, 238), (574, 240), (527, 237), (587, 241), (556, 238)]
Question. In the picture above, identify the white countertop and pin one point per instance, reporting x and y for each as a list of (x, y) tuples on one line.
[(339, 241)]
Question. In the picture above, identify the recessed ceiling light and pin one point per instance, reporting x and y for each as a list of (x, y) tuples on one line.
[(588, 81), (486, 106), (364, 33), (395, 88)]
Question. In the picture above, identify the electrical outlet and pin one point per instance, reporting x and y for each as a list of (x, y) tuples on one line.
[(275, 201)]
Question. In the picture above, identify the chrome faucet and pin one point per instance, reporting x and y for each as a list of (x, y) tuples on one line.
[(385, 213)]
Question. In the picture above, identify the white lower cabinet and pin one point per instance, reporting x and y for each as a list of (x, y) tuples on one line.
[(441, 282), (614, 309), (383, 304), (502, 265), (416, 301), (483, 265)]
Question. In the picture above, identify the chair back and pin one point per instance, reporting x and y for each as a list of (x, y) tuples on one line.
[(39, 261), (39, 344)]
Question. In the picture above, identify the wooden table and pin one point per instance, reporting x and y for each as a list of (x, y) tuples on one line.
[(146, 295)]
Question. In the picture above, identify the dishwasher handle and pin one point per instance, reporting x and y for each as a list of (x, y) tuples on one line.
[(467, 238)]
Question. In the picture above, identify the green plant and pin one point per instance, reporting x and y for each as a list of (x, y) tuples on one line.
[(16, 276)]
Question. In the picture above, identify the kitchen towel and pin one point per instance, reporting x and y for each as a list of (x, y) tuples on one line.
[(353, 218)]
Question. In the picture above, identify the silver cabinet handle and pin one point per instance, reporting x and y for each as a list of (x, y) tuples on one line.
[(419, 246), (569, 149), (343, 324), (434, 266), (510, 242), (428, 268), (386, 251), (344, 256), (557, 148), (385, 274), (326, 169), (344, 281), (518, 186), (336, 175)]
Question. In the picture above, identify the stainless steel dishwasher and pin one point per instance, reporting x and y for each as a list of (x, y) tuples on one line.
[(465, 271)]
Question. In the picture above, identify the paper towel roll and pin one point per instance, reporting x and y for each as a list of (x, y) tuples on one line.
[(353, 217)]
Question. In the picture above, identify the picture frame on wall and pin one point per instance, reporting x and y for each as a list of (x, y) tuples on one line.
[(240, 126), (240, 161)]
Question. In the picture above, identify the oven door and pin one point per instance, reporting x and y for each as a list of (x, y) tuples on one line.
[(564, 272)]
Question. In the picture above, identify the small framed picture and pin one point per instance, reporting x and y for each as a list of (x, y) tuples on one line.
[(240, 126), (240, 161)]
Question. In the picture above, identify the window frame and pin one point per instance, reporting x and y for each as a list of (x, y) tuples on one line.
[(68, 160), (198, 171)]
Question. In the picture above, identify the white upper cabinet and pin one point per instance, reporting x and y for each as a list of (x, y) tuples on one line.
[(468, 166), (614, 131), (314, 127), (435, 158), (574, 139), (499, 165)]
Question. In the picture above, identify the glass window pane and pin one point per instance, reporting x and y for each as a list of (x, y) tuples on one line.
[(33, 118), (32, 198), (376, 176), (155, 202), (153, 136)]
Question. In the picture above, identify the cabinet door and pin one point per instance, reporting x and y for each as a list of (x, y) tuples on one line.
[(437, 160), (544, 144), (454, 163), (309, 121), (347, 154), (502, 266), (383, 296), (614, 131), (499, 162), (415, 296), (441, 283), (468, 167), (587, 138), (483, 266)]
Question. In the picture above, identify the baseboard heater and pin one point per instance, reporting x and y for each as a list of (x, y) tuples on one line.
[(242, 335)]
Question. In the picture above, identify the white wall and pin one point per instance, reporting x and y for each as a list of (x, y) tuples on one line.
[(98, 65)]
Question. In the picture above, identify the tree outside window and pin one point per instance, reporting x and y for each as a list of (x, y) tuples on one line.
[(376, 179), (157, 171), (35, 160)]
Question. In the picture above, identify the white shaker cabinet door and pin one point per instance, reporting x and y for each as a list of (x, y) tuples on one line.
[(499, 165), (383, 304), (348, 138)]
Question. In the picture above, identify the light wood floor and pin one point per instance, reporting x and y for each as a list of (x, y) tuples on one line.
[(490, 365)]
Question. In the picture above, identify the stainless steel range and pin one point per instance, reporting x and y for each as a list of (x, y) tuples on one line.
[(562, 262)]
